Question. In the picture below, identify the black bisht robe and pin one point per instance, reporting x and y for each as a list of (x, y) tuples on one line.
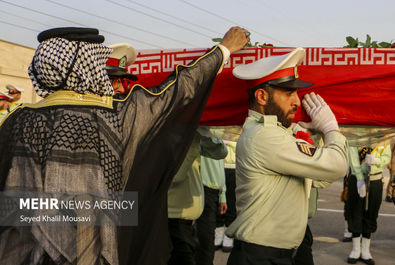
[(138, 145)]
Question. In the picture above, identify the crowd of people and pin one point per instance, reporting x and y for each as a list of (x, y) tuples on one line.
[(98, 130)]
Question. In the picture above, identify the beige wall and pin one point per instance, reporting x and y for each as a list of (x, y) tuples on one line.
[(14, 61)]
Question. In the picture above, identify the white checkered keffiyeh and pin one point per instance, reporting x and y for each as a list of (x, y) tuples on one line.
[(53, 59)]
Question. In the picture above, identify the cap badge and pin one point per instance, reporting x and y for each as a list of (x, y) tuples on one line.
[(122, 62)]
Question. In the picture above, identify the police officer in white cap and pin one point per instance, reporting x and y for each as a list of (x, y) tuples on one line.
[(272, 165), (14, 92), (4, 105), (123, 55)]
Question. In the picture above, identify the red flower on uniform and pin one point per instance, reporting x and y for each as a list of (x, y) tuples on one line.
[(304, 136)]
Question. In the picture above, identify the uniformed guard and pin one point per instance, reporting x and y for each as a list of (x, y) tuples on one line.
[(272, 165), (122, 56), (4, 105), (14, 92), (365, 190)]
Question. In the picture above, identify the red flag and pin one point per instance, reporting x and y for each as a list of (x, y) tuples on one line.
[(358, 84)]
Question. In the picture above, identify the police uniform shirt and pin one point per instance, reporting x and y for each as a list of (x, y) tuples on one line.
[(271, 194), (185, 194), (382, 155)]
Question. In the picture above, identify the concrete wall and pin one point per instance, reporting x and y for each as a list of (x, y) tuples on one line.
[(14, 61)]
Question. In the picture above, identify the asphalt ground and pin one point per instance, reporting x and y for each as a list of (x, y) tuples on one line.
[(328, 227)]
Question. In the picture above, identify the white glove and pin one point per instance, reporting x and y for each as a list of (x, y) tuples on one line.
[(322, 117), (370, 159), (296, 127), (361, 188)]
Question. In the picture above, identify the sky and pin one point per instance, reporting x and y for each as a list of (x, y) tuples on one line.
[(166, 24)]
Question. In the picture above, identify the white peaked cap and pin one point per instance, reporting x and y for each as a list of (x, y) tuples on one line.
[(276, 70), (266, 66), (11, 87)]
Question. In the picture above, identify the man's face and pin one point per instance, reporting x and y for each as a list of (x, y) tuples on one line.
[(15, 95), (283, 104), (121, 85), (4, 104), (116, 83)]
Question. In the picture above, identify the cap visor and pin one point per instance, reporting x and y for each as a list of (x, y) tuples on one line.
[(120, 73), (294, 84)]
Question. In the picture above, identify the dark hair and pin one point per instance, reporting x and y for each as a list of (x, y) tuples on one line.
[(251, 92)]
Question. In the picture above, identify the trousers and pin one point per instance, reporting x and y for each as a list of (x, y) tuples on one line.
[(183, 240), (244, 253), (230, 215), (205, 226), (359, 220)]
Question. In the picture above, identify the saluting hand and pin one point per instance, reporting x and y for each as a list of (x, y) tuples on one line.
[(322, 117)]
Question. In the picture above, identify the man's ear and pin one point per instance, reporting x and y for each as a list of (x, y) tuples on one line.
[(261, 96)]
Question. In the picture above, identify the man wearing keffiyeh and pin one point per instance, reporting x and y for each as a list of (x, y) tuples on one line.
[(80, 139)]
